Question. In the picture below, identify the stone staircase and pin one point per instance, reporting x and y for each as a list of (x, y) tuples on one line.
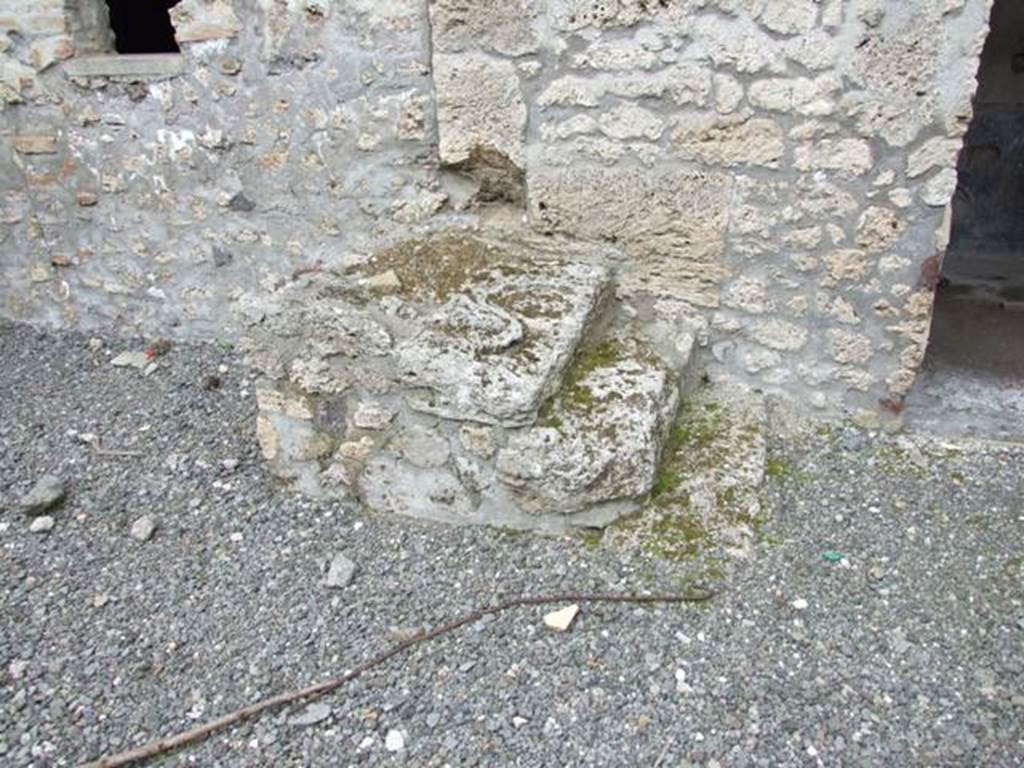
[(470, 380)]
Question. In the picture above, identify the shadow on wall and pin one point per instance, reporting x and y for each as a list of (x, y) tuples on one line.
[(987, 245)]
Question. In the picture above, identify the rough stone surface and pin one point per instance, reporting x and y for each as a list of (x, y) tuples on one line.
[(47, 493), (471, 386), (478, 105), (704, 138), (143, 528), (600, 438), (340, 572), (907, 654), (42, 524)]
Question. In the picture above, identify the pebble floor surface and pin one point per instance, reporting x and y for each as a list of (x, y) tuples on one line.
[(907, 652)]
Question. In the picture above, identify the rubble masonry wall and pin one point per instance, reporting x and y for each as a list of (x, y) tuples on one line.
[(783, 166)]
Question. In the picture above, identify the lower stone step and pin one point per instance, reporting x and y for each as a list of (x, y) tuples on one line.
[(465, 380)]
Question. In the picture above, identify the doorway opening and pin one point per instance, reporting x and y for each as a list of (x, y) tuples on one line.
[(974, 367), (142, 26)]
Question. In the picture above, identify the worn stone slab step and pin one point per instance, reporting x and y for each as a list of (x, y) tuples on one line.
[(467, 381)]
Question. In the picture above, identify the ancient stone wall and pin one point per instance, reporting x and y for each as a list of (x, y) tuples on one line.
[(144, 193), (782, 166)]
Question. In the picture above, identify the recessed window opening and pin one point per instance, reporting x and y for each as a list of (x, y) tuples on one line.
[(974, 368), (142, 26)]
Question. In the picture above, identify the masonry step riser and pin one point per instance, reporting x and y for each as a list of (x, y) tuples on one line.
[(495, 389)]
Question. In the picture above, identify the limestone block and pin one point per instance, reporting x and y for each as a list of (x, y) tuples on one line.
[(470, 25), (938, 191), (628, 121), (731, 141), (847, 156), (603, 434), (683, 83), (300, 334), (737, 44), (816, 50), (937, 152), (294, 406), (748, 294), (495, 356), (626, 203), (479, 105), (617, 56), (798, 94), (373, 415), (198, 20), (49, 50), (778, 334), (790, 17), (897, 121), (670, 266), (879, 228), (481, 441), (728, 93), (846, 264), (457, 389), (849, 347)]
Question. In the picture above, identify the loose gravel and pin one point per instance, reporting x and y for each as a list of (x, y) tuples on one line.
[(902, 647)]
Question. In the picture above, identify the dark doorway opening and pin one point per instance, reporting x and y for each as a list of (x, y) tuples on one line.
[(973, 374), (142, 26)]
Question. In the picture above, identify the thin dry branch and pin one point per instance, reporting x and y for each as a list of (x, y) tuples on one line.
[(170, 743)]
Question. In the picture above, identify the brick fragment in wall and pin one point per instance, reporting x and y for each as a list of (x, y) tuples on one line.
[(36, 144)]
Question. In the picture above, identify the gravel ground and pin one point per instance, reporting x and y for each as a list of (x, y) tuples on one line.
[(907, 652)]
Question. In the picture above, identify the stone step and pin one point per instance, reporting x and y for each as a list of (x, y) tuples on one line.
[(467, 380)]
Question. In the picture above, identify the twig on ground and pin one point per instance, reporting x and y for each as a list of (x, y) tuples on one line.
[(170, 743)]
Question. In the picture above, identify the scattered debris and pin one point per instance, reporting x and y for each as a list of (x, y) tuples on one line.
[(562, 619), (42, 524), (311, 715), (100, 600), (341, 572), (95, 344), (394, 741), (681, 685), (143, 528), (211, 383), (833, 557), (168, 744), (133, 359), (230, 464), (800, 604), (48, 492), (158, 348)]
